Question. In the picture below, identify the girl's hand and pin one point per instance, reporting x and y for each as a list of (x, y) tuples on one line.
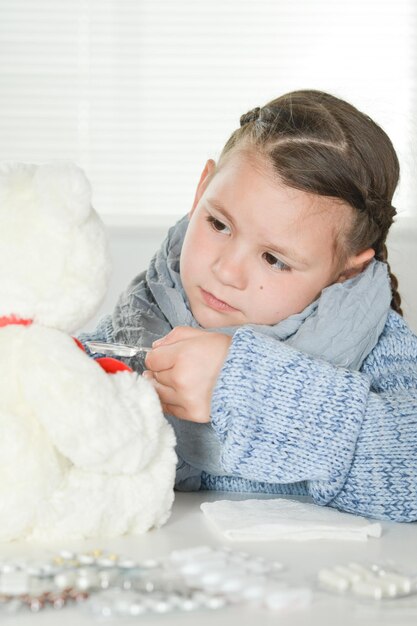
[(184, 366)]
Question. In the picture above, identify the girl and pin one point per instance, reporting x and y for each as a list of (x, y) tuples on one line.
[(289, 369)]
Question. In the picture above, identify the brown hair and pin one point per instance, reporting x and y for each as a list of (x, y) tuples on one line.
[(323, 145)]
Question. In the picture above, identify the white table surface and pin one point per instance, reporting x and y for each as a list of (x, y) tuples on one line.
[(188, 527)]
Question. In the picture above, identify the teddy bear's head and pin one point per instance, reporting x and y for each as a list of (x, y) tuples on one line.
[(54, 264)]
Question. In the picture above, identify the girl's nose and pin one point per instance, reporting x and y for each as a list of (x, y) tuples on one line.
[(230, 267)]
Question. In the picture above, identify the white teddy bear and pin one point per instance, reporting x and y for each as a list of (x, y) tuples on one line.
[(83, 453)]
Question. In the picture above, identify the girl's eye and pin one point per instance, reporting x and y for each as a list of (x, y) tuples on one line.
[(217, 224), (274, 262)]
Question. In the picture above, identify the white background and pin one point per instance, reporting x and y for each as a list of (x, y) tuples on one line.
[(141, 92)]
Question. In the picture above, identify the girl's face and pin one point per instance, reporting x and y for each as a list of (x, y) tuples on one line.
[(256, 251)]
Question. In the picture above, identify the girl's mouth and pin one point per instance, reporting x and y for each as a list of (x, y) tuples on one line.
[(215, 303)]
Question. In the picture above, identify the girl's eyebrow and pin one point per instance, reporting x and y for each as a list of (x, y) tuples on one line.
[(216, 205), (289, 253)]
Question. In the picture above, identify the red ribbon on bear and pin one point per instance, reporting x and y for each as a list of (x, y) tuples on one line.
[(6, 320), (108, 364)]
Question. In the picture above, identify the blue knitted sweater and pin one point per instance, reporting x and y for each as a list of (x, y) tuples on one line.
[(293, 424), (290, 423), (294, 418)]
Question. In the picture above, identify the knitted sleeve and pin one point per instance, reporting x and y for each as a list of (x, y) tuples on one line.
[(102, 332), (283, 417)]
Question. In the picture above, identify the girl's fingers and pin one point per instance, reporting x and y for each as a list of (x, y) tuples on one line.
[(164, 378), (166, 394), (179, 333), (162, 358)]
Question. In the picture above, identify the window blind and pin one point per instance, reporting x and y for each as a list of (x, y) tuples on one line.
[(141, 92)]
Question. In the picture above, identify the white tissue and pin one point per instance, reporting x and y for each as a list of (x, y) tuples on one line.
[(282, 519)]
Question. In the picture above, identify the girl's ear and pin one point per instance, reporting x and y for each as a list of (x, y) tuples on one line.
[(205, 177), (356, 264)]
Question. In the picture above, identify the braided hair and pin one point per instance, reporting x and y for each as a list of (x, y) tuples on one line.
[(323, 145)]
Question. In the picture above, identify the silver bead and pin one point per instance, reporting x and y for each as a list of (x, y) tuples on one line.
[(108, 576), (67, 555), (137, 609), (65, 579), (86, 559), (86, 579)]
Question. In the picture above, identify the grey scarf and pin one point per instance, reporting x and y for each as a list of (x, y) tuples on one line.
[(342, 326)]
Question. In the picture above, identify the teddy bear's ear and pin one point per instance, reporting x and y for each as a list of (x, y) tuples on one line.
[(63, 191), (16, 180)]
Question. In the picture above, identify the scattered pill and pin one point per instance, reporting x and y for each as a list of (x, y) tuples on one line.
[(332, 579)]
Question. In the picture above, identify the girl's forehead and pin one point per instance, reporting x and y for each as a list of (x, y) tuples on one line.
[(247, 192), (245, 179)]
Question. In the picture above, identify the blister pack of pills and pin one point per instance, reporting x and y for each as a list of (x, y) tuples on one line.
[(368, 582), (107, 585), (202, 578)]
